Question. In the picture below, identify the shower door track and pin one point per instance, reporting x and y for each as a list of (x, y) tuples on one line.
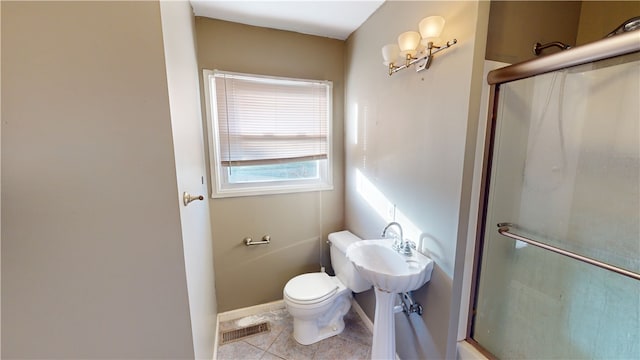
[(503, 229), (617, 45)]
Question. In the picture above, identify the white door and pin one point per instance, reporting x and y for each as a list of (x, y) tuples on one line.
[(186, 122)]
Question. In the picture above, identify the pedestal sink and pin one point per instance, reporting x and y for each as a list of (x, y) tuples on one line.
[(390, 273)]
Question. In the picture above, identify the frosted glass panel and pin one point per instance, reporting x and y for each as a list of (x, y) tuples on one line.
[(566, 171)]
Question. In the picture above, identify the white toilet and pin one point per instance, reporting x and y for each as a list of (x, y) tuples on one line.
[(318, 302)]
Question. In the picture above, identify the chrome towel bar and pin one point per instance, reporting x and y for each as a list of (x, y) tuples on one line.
[(265, 240), (503, 229)]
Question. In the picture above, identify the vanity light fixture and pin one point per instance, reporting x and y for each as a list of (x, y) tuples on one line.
[(414, 47)]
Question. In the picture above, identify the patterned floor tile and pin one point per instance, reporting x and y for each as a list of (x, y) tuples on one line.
[(288, 348), (337, 348), (239, 350), (270, 356), (354, 343)]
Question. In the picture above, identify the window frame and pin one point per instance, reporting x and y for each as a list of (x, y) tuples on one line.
[(222, 188)]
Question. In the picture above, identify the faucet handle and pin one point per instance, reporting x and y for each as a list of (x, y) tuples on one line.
[(408, 247), (397, 244)]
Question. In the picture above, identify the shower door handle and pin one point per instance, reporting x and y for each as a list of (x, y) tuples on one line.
[(504, 229)]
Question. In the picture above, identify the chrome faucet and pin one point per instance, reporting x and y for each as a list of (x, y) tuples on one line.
[(402, 246), (398, 245)]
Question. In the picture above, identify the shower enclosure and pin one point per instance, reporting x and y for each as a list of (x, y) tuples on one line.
[(558, 250)]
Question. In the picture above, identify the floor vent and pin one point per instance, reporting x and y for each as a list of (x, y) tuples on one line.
[(239, 334)]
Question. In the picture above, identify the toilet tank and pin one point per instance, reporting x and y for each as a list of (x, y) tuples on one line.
[(344, 269)]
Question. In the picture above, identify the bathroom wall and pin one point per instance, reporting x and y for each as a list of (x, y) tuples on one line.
[(92, 257), (297, 223), (515, 26), (410, 145), (598, 18)]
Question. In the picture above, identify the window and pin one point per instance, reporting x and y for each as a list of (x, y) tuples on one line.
[(268, 134)]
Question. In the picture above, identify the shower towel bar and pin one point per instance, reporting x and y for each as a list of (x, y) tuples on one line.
[(503, 229)]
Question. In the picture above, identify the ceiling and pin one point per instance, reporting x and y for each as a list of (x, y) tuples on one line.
[(329, 18)]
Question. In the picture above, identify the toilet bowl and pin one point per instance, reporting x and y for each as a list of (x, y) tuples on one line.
[(318, 302)]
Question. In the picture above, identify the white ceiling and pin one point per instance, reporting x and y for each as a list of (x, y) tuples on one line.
[(329, 18)]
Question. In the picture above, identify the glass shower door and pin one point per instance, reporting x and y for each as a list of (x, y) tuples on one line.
[(566, 173)]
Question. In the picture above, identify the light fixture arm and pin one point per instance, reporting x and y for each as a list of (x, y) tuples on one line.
[(427, 58)]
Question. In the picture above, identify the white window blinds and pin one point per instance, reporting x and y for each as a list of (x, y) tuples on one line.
[(263, 120)]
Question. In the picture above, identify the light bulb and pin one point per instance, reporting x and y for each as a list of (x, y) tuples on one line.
[(408, 42), (431, 28), (390, 53)]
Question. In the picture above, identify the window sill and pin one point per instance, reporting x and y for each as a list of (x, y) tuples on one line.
[(268, 190)]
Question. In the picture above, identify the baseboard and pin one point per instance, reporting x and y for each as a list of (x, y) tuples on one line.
[(365, 319), (251, 310), (215, 340)]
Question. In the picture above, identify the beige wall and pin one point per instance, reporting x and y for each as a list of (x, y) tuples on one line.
[(407, 139), (598, 18), (515, 26), (297, 223), (92, 260)]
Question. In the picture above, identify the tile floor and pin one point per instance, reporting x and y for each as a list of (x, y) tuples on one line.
[(278, 344)]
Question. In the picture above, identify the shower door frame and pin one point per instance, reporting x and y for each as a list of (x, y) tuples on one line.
[(617, 45)]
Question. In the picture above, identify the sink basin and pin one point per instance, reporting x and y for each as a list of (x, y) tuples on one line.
[(390, 273), (388, 270)]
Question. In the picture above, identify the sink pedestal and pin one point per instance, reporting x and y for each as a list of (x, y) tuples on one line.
[(384, 327)]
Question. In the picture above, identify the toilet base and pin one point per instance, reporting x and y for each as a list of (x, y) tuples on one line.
[(331, 323), (307, 332)]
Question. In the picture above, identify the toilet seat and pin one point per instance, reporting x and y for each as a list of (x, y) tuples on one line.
[(310, 288)]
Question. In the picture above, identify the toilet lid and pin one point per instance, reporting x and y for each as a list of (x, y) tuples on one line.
[(313, 287)]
